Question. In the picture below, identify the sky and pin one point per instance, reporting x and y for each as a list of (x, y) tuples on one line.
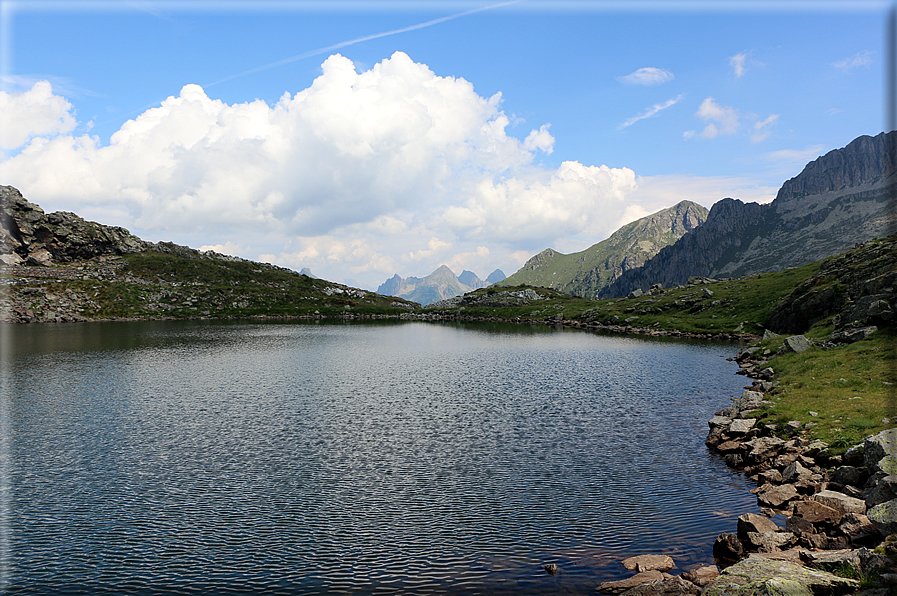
[(364, 139)]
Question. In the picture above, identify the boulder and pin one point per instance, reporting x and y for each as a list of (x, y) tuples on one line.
[(620, 586), (648, 562), (768, 542), (719, 422), (795, 343), (742, 425), (878, 446), (771, 476), (852, 334), (858, 528), (848, 475), (840, 501), (794, 472), (884, 489), (702, 575), (751, 522), (758, 576), (884, 516), (749, 400), (817, 513), (671, 586), (777, 496), (727, 549), (761, 449)]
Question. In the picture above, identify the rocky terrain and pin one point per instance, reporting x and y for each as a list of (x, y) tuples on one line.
[(839, 200), (585, 273)]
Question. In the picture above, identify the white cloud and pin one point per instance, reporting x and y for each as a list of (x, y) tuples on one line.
[(723, 120), (653, 110), (737, 63), (361, 175), (857, 60), (35, 112), (228, 248), (762, 128), (795, 156), (647, 76)]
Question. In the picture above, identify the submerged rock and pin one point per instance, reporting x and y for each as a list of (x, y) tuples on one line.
[(648, 562)]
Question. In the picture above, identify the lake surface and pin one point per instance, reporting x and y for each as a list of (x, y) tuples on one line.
[(287, 458)]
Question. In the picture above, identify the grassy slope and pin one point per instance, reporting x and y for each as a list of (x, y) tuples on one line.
[(162, 285)]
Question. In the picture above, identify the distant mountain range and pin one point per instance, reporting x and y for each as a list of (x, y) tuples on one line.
[(585, 273), (439, 285), (841, 199)]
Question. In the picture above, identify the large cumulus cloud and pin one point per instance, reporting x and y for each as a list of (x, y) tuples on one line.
[(340, 172)]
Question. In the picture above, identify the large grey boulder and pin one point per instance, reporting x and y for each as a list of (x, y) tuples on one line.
[(876, 447), (884, 516), (759, 576), (840, 501), (795, 343)]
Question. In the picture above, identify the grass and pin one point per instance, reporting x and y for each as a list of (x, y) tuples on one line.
[(847, 386)]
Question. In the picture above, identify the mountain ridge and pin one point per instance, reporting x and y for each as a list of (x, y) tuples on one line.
[(586, 272), (840, 199)]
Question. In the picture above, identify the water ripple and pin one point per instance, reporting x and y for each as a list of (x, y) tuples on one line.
[(404, 459)]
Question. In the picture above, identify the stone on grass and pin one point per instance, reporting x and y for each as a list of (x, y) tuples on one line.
[(795, 343), (648, 562), (760, 576)]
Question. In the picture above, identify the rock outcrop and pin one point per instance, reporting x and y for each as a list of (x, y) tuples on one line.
[(858, 287), (30, 236), (839, 200)]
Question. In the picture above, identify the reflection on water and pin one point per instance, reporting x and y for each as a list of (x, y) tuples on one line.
[(185, 457)]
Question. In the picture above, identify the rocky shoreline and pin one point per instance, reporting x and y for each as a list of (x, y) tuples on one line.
[(840, 530)]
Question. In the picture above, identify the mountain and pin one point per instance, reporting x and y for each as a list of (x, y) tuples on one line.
[(839, 200), (439, 285), (585, 273), (496, 276)]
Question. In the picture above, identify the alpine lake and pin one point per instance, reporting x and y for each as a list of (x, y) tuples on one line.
[(247, 457)]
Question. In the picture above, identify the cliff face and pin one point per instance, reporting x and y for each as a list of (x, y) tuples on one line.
[(28, 235), (585, 273), (839, 200)]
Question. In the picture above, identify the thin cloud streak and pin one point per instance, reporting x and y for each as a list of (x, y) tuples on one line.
[(350, 42), (650, 112)]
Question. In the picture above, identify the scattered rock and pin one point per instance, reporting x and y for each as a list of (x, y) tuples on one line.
[(762, 576), (727, 550), (840, 501), (702, 575), (884, 516), (751, 522), (648, 562), (776, 496), (620, 586), (671, 586)]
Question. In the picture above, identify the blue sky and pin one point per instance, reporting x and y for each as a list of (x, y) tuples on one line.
[(472, 134)]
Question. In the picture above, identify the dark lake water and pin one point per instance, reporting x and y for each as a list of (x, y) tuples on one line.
[(275, 458)]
